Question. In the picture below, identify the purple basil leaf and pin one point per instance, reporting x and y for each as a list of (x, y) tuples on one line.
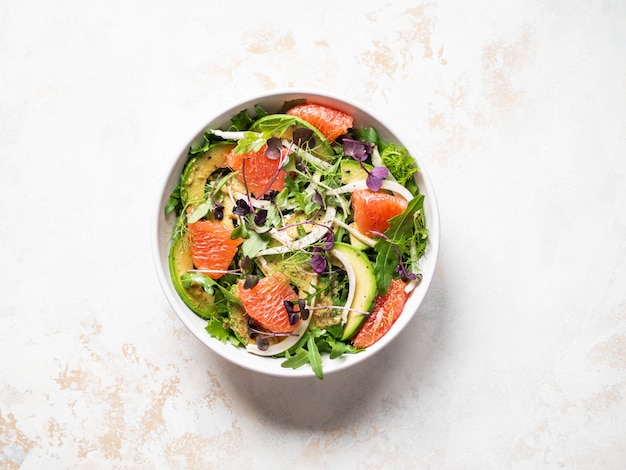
[(373, 182), (318, 263), (354, 149), (274, 148), (329, 240), (380, 172)]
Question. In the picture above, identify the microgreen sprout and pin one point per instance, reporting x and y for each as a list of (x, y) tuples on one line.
[(303, 136), (260, 217), (261, 337), (318, 261), (242, 208), (295, 315), (360, 151), (274, 148), (251, 281), (218, 211)]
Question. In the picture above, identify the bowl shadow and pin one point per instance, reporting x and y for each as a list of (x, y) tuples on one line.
[(352, 395)]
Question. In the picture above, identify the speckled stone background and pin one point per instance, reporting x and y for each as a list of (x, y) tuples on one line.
[(517, 358)]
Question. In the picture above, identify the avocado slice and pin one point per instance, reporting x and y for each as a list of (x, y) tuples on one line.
[(352, 171), (195, 297), (363, 280), (322, 148), (198, 170)]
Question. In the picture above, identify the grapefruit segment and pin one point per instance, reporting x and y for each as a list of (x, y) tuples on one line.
[(387, 309), (260, 171), (372, 210), (211, 246), (330, 122), (264, 303)]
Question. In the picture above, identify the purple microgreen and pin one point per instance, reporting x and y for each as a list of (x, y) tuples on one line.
[(274, 148), (293, 315), (260, 217), (245, 263), (318, 199), (241, 208), (375, 177), (262, 343), (302, 167), (318, 263), (355, 149), (251, 281), (262, 337), (329, 240), (303, 136), (304, 311), (218, 211)]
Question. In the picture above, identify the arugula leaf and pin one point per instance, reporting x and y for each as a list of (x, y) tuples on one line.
[(314, 357), (260, 112), (241, 121), (252, 141), (299, 358), (366, 134), (209, 139), (208, 284), (287, 105), (174, 200), (401, 230), (276, 126), (339, 348)]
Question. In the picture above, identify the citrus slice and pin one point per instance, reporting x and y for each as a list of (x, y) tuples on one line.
[(259, 171), (212, 249), (264, 303), (387, 309), (372, 210), (330, 122)]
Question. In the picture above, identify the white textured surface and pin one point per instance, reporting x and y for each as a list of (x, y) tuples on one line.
[(517, 358)]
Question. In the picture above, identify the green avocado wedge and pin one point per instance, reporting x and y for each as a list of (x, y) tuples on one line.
[(198, 170), (353, 171), (362, 282), (195, 297)]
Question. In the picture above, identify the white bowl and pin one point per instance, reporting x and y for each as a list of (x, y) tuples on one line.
[(273, 101)]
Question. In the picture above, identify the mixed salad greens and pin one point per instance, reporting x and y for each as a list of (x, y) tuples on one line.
[(304, 234)]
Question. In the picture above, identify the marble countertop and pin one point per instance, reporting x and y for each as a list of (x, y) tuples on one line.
[(517, 357)]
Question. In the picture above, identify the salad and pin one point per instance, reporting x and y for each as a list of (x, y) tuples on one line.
[(297, 235)]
